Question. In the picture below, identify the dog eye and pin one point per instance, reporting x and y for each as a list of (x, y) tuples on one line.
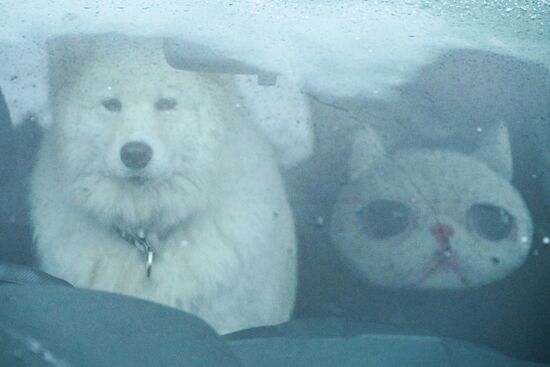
[(112, 104), (165, 104)]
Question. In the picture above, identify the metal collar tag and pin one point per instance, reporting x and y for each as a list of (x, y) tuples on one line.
[(139, 241)]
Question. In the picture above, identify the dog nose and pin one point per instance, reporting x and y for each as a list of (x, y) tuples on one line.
[(135, 154)]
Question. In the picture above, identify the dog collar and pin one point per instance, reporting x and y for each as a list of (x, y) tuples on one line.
[(139, 240)]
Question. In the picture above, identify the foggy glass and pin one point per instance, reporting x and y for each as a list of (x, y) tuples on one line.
[(397, 127)]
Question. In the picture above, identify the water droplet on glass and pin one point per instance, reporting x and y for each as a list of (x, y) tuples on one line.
[(70, 17), (319, 221)]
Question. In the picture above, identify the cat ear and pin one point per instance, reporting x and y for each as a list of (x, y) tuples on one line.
[(495, 150), (367, 149)]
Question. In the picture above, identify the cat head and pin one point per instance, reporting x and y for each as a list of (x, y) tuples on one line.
[(431, 219)]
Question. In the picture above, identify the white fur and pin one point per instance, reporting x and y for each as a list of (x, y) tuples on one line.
[(213, 202)]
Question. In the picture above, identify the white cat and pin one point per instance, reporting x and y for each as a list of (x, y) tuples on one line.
[(431, 219), (151, 183)]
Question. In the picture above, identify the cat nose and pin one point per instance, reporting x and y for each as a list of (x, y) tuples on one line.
[(136, 154), (442, 233)]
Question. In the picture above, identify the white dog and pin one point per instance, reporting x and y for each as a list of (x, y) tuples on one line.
[(151, 183)]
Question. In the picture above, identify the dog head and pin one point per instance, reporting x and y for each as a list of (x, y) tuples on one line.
[(135, 138)]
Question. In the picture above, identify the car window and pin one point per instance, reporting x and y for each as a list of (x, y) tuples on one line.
[(253, 162)]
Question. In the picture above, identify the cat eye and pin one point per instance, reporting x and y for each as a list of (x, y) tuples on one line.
[(491, 222), (165, 104), (384, 218), (112, 104)]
